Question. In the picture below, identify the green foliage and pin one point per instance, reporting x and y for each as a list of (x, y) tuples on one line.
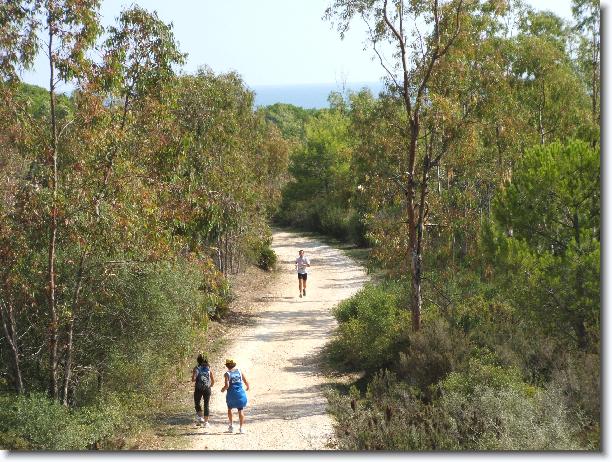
[(162, 186), (231, 168), (433, 352), (140, 54), (290, 119), (551, 260), (475, 377), (267, 258), (37, 101), (35, 422), (321, 169), (390, 417), (371, 327), (492, 409)]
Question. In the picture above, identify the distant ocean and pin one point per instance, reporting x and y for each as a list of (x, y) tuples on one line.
[(307, 96)]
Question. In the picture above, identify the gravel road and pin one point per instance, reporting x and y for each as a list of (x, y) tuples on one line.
[(286, 409)]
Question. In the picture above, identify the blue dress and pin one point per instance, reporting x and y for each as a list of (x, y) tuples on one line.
[(236, 396)]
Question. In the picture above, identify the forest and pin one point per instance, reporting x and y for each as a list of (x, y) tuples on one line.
[(472, 182)]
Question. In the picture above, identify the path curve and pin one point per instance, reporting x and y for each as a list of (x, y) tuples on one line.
[(287, 408)]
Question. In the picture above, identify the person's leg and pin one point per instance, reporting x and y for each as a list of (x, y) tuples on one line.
[(207, 392), (229, 416), (241, 417), (300, 280), (304, 284), (197, 396)]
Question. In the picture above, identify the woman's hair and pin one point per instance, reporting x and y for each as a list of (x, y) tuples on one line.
[(202, 360)]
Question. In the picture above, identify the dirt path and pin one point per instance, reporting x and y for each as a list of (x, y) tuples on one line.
[(277, 354)]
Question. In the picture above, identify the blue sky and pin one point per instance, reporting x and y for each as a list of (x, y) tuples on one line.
[(268, 42)]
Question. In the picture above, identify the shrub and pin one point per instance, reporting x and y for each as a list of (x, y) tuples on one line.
[(267, 258), (432, 353), (389, 417), (371, 323), (336, 221), (37, 422), (493, 409), (578, 378), (492, 418)]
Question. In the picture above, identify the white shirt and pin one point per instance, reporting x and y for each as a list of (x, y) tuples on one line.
[(301, 263)]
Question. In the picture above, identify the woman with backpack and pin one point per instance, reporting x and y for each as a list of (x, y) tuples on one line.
[(204, 380), (236, 397)]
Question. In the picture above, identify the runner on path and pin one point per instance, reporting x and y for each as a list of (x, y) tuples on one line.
[(236, 397), (204, 380), (301, 263)]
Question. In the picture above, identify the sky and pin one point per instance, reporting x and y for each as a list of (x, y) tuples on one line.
[(268, 42)]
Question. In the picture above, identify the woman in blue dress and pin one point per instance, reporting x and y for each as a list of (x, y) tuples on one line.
[(236, 397)]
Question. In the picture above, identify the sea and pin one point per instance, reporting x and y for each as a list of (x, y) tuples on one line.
[(308, 96)]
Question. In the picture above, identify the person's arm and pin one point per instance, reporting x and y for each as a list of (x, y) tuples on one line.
[(308, 262), (194, 374), (246, 382), (212, 378), (226, 386)]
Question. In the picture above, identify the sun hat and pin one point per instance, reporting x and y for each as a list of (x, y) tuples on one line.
[(229, 362)]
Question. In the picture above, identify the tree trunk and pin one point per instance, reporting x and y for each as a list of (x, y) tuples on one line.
[(413, 224), (579, 326), (10, 332), (595, 76), (69, 341), (51, 286)]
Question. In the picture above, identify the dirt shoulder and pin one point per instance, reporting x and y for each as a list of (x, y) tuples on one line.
[(274, 336)]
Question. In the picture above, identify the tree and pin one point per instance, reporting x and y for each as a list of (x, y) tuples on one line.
[(66, 181), (228, 168), (416, 61), (547, 239), (587, 16), (71, 30), (320, 168)]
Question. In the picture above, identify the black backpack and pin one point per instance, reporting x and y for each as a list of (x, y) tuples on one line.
[(203, 377)]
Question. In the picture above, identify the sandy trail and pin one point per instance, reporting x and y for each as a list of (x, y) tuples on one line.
[(287, 409)]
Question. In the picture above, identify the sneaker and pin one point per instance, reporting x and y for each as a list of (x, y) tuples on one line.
[(242, 431), (206, 425), (300, 295), (230, 429), (304, 292)]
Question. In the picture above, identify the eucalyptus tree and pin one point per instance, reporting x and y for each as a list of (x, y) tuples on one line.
[(228, 169), (587, 16), (545, 79), (419, 35), (70, 30), (70, 152)]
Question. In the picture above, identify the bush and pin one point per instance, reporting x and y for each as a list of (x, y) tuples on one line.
[(267, 258), (578, 378), (336, 221), (36, 422), (492, 418), (492, 410), (433, 352), (149, 321), (389, 417), (371, 324)]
